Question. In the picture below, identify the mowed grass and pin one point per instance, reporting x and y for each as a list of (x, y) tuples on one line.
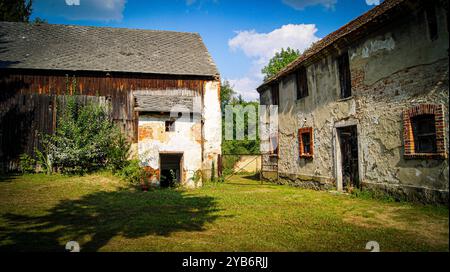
[(103, 213)]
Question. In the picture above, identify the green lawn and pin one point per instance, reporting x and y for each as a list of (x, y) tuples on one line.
[(102, 213)]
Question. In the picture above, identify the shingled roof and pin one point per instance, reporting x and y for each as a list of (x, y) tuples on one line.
[(373, 17), (85, 48)]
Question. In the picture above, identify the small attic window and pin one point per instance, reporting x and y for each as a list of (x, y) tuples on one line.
[(170, 125)]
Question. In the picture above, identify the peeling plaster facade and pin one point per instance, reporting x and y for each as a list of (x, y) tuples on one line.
[(392, 69), (196, 137)]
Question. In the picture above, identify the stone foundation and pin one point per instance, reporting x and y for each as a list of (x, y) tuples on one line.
[(409, 193), (306, 182)]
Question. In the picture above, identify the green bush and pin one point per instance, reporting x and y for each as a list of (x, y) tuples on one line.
[(132, 172), (118, 152), (85, 140), (27, 163), (45, 160)]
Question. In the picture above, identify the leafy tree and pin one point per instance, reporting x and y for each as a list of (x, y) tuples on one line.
[(279, 61), (245, 146), (15, 10), (226, 94)]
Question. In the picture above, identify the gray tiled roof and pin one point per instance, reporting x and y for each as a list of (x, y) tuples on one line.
[(165, 101), (66, 47)]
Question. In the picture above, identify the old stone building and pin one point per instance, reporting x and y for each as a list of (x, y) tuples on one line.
[(367, 106), (163, 89)]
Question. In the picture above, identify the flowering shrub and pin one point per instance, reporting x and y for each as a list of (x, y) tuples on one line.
[(85, 140)]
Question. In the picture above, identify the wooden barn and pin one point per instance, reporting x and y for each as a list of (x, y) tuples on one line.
[(142, 74)]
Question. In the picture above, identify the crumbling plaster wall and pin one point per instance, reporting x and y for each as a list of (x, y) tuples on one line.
[(393, 69), (212, 127), (186, 139), (269, 162)]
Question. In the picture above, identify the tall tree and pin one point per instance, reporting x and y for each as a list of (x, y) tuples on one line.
[(15, 10), (226, 94), (279, 61)]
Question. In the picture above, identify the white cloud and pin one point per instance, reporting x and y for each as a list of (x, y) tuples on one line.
[(372, 2), (98, 10), (246, 86), (302, 4), (260, 47)]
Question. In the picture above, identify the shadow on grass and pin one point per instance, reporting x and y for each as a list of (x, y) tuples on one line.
[(9, 177), (103, 215)]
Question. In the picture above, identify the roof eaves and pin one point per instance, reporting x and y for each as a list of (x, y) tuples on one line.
[(333, 37)]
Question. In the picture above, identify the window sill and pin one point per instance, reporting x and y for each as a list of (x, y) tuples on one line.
[(425, 156), (306, 156)]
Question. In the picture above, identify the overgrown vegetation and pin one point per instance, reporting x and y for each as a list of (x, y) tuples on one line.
[(15, 10), (132, 172), (85, 140), (242, 146), (27, 163)]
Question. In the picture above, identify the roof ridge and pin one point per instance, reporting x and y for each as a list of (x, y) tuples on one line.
[(89, 48), (100, 27)]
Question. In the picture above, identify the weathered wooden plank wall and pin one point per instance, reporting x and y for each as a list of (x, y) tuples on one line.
[(28, 102)]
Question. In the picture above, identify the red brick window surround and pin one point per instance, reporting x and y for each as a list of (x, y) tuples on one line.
[(306, 142), (423, 128)]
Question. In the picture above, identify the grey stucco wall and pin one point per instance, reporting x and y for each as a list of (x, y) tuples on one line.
[(393, 69)]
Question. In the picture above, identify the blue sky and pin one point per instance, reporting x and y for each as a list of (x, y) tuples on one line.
[(240, 35)]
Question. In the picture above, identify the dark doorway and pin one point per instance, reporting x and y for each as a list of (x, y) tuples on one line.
[(349, 156), (170, 165)]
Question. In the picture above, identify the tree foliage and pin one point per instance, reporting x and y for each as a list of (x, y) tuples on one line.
[(15, 10), (245, 146), (279, 61), (85, 140), (226, 94)]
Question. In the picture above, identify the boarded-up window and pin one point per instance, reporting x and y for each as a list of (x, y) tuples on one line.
[(302, 83), (306, 142), (430, 12), (344, 75)]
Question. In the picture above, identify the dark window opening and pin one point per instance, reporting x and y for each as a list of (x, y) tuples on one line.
[(344, 76), (274, 93), (430, 12), (306, 143), (424, 132), (170, 125), (306, 137), (302, 83)]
